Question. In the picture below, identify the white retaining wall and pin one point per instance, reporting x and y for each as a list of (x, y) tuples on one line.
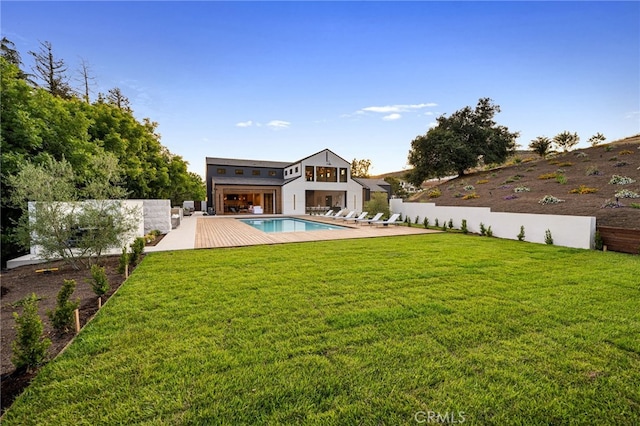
[(157, 215), (567, 231)]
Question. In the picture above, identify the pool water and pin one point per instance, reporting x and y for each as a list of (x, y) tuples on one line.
[(287, 224)]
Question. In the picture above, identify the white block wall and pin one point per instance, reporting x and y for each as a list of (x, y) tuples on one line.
[(157, 215), (566, 231)]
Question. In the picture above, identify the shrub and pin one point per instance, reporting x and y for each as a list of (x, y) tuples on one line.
[(597, 241), (470, 196), (625, 152), (437, 226), (124, 260), (434, 193), (608, 148), (581, 154), (29, 348), (620, 164), (457, 195), (407, 220), (100, 282), (463, 226), (62, 316), (378, 203), (511, 197), (625, 193), (583, 189), (548, 176), (469, 188), (489, 232), (561, 179), (444, 226), (483, 230), (548, 239), (521, 234), (550, 199), (450, 224), (593, 171), (137, 248), (417, 221), (425, 222), (565, 164), (620, 180), (635, 205), (482, 181), (521, 189), (611, 204), (614, 158)]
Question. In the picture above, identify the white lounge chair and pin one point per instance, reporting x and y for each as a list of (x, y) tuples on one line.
[(348, 216), (339, 214), (368, 221), (393, 220), (355, 219), (329, 213)]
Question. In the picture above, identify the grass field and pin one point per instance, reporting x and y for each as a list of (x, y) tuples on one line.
[(379, 331)]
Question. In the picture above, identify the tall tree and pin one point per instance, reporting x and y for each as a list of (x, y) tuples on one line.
[(86, 79), (360, 168), (459, 142), (8, 51), (597, 139), (566, 140), (541, 146), (116, 98), (52, 71)]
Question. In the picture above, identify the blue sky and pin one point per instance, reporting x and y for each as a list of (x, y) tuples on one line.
[(283, 80)]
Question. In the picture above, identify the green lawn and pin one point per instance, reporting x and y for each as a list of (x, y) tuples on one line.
[(368, 331)]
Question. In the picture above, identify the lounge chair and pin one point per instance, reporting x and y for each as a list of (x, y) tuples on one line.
[(368, 221), (329, 213), (355, 219), (392, 220), (339, 214), (348, 216)]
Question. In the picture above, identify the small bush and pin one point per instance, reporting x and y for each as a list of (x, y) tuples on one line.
[(583, 189), (483, 230), (470, 196), (458, 195), (620, 180), (608, 148), (100, 282), (444, 227), (407, 220), (625, 152), (137, 249), (417, 221), (548, 239), (611, 204), (62, 316), (425, 222), (124, 260), (565, 164), (561, 179), (597, 241), (437, 226), (482, 181), (521, 234), (625, 193), (469, 188), (511, 197), (30, 347), (521, 189), (489, 232), (581, 154), (548, 176), (450, 224), (620, 164), (614, 158), (635, 205), (550, 199), (463, 226), (593, 171), (434, 193)]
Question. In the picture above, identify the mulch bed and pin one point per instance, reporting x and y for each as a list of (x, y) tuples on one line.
[(19, 283)]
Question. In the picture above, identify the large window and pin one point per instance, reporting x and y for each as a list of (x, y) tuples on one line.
[(343, 174), (326, 174), (308, 172)]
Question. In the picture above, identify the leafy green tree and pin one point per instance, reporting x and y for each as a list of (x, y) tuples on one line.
[(396, 187), (597, 139), (11, 55), (51, 71), (99, 281), (566, 140), (119, 100), (541, 146), (360, 168), (459, 142), (29, 348), (378, 204)]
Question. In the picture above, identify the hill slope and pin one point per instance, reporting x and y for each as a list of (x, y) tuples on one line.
[(496, 188)]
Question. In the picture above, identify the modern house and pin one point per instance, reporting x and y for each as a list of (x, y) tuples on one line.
[(315, 183)]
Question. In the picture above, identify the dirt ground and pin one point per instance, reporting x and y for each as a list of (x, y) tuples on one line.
[(495, 188)]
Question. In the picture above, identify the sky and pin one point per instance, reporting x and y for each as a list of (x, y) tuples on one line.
[(283, 80)]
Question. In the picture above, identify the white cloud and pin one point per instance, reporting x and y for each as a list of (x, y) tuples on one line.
[(245, 124), (391, 117), (632, 115), (278, 124), (398, 108), (432, 125)]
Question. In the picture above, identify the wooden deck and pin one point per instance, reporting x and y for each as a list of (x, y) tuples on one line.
[(215, 231)]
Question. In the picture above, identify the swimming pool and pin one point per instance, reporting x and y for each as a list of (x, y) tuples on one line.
[(288, 224)]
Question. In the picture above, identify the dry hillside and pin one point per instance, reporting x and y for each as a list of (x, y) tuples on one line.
[(563, 176)]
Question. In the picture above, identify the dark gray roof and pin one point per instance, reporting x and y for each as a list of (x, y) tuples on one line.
[(245, 163), (247, 181), (374, 185)]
